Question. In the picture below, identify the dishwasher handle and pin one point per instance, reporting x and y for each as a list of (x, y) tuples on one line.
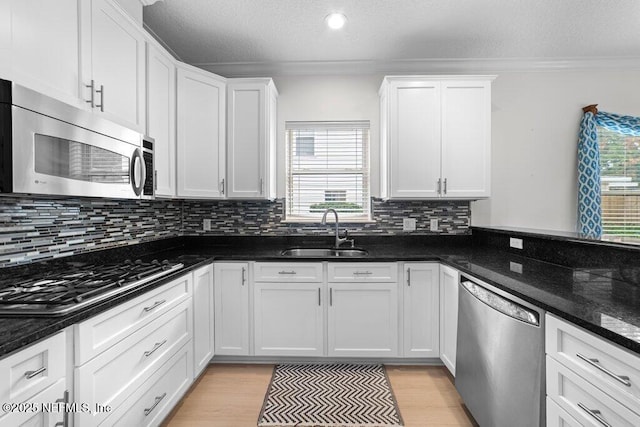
[(502, 304)]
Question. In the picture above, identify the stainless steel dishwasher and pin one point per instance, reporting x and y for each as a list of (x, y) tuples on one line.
[(500, 357)]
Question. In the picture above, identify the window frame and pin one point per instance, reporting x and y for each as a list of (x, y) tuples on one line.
[(364, 171)]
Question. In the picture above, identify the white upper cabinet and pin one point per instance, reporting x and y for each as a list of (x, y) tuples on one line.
[(201, 133), (113, 58), (466, 138), (161, 117), (435, 137), (44, 40), (251, 138)]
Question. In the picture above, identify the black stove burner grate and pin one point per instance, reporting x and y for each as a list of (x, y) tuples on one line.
[(80, 285)]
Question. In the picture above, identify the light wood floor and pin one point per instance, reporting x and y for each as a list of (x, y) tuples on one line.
[(232, 396)]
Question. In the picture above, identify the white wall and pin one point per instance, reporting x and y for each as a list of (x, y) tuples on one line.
[(328, 98), (536, 118)]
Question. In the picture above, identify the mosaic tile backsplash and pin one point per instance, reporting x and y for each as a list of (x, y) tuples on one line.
[(33, 229), (266, 218)]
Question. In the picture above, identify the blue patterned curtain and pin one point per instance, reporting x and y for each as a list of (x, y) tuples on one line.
[(589, 197)]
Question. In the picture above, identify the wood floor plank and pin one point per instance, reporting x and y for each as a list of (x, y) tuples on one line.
[(232, 395)]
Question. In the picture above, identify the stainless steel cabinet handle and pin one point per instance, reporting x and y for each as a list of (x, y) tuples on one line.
[(288, 272), (155, 304), (439, 185), (222, 186), (30, 374), (101, 92), (596, 414), (261, 186), (362, 273), (408, 277), (244, 278), (91, 100), (595, 363), (147, 411), (65, 417), (445, 186), (155, 179), (319, 301), (330, 296), (155, 348)]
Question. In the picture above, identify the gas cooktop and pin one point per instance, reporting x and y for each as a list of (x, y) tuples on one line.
[(60, 293)]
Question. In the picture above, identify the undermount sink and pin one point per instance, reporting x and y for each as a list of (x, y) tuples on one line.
[(324, 252)]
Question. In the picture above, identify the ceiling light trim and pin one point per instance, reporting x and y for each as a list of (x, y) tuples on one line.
[(413, 66)]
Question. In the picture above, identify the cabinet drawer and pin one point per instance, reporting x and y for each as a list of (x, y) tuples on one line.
[(558, 417), (95, 335), (363, 272), (583, 401), (111, 376), (613, 369), (29, 371), (287, 272), (153, 401), (32, 413)]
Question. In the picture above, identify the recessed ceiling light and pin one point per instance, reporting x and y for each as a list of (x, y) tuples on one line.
[(335, 21)]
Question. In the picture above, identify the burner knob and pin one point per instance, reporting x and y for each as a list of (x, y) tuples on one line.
[(138, 262), (155, 262)]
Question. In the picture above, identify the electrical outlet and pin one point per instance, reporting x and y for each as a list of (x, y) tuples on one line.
[(433, 224), (408, 224), (206, 224), (516, 267), (515, 243)]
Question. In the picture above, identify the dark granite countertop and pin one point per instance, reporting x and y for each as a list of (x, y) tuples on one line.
[(592, 298)]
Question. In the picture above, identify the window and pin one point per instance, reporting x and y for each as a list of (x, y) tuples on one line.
[(619, 181), (327, 167)]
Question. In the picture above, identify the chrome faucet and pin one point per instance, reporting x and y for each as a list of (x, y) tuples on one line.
[(339, 240)]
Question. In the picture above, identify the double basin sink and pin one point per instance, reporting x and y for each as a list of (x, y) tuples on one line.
[(324, 252)]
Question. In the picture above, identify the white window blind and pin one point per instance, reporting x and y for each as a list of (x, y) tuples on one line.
[(327, 167), (620, 185)]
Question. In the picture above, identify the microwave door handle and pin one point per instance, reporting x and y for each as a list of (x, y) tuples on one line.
[(136, 161)]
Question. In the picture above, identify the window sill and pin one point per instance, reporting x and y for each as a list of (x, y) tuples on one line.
[(295, 220)]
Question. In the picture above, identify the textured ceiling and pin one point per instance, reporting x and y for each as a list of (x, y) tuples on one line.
[(208, 32)]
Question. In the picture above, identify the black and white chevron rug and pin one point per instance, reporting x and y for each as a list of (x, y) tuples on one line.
[(335, 395)]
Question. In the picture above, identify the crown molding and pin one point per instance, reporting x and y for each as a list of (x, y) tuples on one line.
[(418, 66), (149, 2)]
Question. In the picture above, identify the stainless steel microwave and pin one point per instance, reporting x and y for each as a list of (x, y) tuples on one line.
[(49, 147)]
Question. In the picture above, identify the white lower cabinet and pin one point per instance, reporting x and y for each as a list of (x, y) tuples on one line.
[(231, 296), (593, 381), (288, 319), (32, 414), (203, 334), (420, 310), (35, 379), (449, 279), (153, 401), (110, 377), (363, 319)]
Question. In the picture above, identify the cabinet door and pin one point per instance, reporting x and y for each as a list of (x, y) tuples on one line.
[(46, 47), (363, 319), (449, 279), (288, 319), (201, 130), (247, 140), (421, 310), (42, 409), (466, 139), (116, 64), (231, 294), (161, 117), (414, 139), (203, 320)]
